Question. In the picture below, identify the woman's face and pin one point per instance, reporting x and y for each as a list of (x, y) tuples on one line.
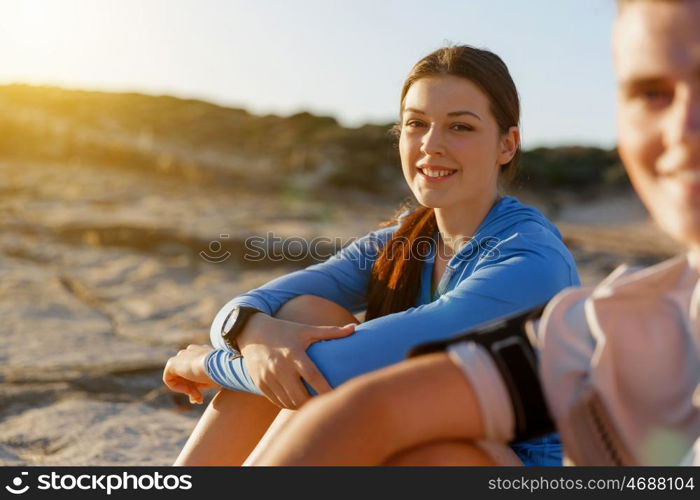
[(451, 147), (657, 60)]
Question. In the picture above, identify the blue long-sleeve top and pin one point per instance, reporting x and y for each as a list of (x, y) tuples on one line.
[(515, 261)]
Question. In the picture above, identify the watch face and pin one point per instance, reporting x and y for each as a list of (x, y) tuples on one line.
[(230, 321)]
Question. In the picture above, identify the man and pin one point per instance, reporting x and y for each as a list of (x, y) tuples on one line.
[(619, 364)]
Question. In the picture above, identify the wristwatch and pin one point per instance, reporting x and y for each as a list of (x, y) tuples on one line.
[(234, 323)]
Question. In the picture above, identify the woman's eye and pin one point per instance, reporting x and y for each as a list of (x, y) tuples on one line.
[(413, 123), (461, 127)]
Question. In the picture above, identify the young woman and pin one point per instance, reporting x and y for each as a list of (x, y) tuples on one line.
[(465, 255), (620, 363)]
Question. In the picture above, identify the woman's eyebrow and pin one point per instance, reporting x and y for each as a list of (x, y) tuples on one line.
[(463, 112), (451, 113)]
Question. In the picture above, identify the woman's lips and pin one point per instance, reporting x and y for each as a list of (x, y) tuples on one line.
[(433, 174)]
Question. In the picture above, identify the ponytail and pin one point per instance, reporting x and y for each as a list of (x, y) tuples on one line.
[(395, 278)]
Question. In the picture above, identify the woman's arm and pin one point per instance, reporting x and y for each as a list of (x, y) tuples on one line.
[(342, 279), (275, 350), (523, 276), (276, 357), (373, 417), (281, 351)]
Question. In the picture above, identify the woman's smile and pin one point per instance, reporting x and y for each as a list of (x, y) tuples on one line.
[(435, 174)]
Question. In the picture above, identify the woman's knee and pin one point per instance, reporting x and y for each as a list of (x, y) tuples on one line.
[(226, 400), (313, 310)]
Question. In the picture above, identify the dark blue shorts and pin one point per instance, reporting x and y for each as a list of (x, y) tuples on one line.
[(544, 450)]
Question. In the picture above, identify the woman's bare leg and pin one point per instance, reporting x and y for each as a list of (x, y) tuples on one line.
[(368, 420), (229, 428), (234, 422), (273, 431), (450, 453)]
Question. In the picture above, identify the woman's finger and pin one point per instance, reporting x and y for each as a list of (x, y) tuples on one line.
[(309, 372), (171, 380), (296, 391), (316, 333), (269, 394), (195, 396), (205, 385), (280, 392), (271, 389), (184, 386), (176, 386)]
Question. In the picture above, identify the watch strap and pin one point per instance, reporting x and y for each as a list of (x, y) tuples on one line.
[(231, 337)]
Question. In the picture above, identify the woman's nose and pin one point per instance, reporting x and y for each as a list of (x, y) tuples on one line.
[(433, 142)]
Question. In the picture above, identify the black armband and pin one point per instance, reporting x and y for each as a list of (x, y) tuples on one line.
[(511, 347)]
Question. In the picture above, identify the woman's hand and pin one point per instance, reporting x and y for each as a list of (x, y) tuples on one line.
[(275, 355), (185, 372)]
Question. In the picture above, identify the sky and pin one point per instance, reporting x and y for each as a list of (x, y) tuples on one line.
[(343, 58)]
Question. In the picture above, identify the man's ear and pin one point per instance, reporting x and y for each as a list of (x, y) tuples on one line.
[(508, 145)]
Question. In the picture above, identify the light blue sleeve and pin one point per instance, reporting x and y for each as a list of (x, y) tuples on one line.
[(342, 279), (522, 275)]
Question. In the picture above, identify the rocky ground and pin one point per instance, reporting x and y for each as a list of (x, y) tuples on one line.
[(103, 277)]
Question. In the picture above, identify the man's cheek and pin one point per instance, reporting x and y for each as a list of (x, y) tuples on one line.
[(639, 150)]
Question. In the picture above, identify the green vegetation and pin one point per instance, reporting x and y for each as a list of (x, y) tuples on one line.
[(572, 167), (203, 141)]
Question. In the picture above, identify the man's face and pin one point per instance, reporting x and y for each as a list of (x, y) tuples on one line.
[(657, 61)]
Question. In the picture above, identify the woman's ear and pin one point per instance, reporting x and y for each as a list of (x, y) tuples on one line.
[(508, 145)]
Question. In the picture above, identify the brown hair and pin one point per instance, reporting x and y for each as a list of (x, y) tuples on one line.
[(395, 277)]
